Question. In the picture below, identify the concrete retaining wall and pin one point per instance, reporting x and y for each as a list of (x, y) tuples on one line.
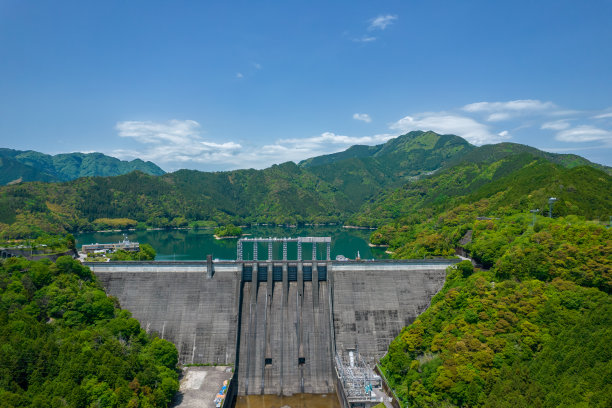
[(371, 306), (197, 314)]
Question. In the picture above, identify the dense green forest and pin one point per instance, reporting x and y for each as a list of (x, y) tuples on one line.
[(514, 183), (532, 331), (360, 186), (65, 343), (429, 217), (19, 166), (47, 244)]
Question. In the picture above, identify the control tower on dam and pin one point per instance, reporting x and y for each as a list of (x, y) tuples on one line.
[(282, 323)]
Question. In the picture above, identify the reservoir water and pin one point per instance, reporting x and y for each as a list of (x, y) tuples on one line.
[(192, 245)]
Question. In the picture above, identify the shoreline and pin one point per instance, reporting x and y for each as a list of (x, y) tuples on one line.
[(358, 227), (210, 228), (227, 237)]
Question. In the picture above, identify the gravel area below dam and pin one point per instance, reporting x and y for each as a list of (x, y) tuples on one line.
[(200, 385)]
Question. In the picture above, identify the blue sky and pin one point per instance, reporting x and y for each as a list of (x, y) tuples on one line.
[(222, 85)]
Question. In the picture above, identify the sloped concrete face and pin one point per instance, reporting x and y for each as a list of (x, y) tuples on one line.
[(281, 325), (370, 308), (195, 313), (286, 345)]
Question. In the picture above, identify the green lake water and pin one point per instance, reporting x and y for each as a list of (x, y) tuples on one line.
[(191, 245)]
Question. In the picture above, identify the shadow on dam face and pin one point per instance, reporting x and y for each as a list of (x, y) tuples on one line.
[(279, 323)]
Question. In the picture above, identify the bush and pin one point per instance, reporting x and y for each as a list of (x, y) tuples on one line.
[(465, 268)]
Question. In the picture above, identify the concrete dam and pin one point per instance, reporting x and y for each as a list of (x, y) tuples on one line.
[(283, 324)]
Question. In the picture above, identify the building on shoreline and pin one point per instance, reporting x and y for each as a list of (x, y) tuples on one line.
[(125, 245)]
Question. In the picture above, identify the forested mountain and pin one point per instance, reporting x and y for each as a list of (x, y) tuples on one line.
[(368, 190), (514, 183), (407, 155), (64, 343), (13, 171), (495, 152), (18, 166)]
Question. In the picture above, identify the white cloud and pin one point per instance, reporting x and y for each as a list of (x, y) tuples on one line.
[(445, 123), (257, 65), (498, 116), (571, 149), (521, 105), (365, 39), (297, 149), (327, 138), (363, 117), (177, 144), (584, 133), (176, 141), (556, 125), (382, 22), (239, 75), (509, 110), (173, 131)]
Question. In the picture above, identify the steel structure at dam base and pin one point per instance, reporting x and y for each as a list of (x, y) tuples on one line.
[(287, 326)]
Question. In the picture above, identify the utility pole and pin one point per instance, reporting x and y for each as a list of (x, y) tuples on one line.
[(551, 201)]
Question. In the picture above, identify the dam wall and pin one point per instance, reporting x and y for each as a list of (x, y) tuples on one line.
[(373, 302), (180, 303), (281, 323)]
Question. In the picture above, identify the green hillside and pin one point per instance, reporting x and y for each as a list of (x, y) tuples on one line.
[(407, 155), (514, 183), (65, 343), (491, 153), (531, 328), (405, 174), (280, 194), (353, 152), (13, 171), (36, 166), (491, 342)]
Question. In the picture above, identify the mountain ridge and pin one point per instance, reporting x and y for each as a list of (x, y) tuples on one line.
[(417, 140), (368, 190), (30, 165)]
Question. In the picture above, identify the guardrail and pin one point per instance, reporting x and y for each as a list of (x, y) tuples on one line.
[(395, 400)]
